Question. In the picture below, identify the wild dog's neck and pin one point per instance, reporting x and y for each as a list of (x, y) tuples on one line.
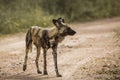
[(55, 35), (53, 32)]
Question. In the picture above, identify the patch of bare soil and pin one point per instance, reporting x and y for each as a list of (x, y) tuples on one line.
[(91, 54)]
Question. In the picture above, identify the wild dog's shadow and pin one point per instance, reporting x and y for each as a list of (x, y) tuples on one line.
[(22, 76)]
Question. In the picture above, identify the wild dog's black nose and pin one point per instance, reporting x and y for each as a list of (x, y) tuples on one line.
[(74, 32)]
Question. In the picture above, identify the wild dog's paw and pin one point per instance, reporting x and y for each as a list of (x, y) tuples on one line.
[(39, 72), (59, 75), (45, 73), (24, 67)]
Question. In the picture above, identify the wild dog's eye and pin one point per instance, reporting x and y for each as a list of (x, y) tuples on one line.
[(68, 28)]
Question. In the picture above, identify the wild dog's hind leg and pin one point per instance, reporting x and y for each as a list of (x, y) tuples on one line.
[(28, 46), (26, 55), (37, 58), (45, 62), (54, 48), (25, 60)]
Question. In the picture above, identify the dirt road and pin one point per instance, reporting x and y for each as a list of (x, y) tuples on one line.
[(80, 57)]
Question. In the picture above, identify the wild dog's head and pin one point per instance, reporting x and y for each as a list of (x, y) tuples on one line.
[(62, 27)]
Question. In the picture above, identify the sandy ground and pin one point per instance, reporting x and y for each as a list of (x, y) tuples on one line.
[(91, 54)]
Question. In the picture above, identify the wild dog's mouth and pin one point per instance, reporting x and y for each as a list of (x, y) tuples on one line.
[(71, 32), (68, 33)]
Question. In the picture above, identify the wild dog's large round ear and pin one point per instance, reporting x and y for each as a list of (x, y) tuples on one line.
[(61, 19), (55, 22)]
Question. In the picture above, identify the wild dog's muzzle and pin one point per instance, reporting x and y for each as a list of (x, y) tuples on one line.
[(70, 32)]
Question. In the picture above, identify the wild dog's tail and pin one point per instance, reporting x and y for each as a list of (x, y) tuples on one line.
[(29, 40)]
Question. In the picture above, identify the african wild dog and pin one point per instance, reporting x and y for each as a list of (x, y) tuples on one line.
[(45, 39)]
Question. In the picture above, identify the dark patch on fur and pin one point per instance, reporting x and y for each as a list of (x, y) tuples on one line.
[(45, 43)]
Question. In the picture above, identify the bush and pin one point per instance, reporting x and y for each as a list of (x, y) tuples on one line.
[(19, 15), (82, 10)]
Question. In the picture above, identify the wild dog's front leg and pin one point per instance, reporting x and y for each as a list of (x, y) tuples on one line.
[(37, 58), (54, 48), (45, 62)]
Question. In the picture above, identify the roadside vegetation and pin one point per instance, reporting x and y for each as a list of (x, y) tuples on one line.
[(19, 15)]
